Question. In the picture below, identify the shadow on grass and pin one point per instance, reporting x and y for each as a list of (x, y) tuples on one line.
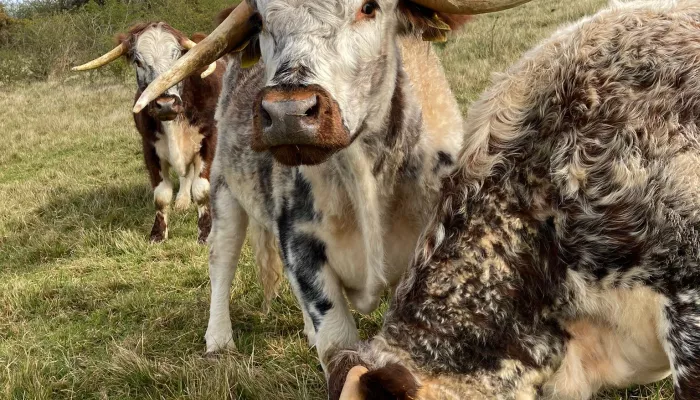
[(72, 222)]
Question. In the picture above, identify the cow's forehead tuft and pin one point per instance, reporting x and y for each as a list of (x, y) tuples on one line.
[(322, 9), (158, 44)]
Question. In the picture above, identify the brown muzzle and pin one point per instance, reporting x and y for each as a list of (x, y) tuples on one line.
[(166, 107), (298, 125)]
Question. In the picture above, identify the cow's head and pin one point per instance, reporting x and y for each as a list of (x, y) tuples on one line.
[(326, 64), (330, 70), (369, 373), (152, 48)]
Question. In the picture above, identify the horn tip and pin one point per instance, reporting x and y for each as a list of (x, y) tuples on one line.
[(210, 70), (140, 105)]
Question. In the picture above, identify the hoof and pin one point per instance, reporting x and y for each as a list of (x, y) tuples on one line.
[(216, 346), (182, 203)]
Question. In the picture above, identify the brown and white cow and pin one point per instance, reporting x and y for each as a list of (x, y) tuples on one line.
[(336, 145), (177, 128), (565, 254)]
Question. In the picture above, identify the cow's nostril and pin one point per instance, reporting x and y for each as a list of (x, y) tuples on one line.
[(265, 118), (313, 111)]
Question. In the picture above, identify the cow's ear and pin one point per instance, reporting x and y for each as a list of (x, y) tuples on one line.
[(339, 369), (125, 39), (391, 382), (222, 15), (431, 25), (121, 38), (198, 37)]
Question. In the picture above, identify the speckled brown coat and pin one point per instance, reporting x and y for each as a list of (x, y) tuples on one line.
[(565, 253)]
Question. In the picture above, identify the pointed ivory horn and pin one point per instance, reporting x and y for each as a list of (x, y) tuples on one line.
[(103, 60), (470, 7), (210, 70), (351, 389), (189, 45), (234, 31)]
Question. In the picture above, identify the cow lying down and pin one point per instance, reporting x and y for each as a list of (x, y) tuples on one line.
[(565, 253)]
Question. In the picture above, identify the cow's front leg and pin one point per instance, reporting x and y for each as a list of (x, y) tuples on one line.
[(162, 197), (159, 173), (320, 294), (200, 192), (226, 240), (184, 193)]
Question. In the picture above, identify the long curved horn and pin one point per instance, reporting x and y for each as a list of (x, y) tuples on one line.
[(103, 60), (189, 45), (469, 7), (231, 33)]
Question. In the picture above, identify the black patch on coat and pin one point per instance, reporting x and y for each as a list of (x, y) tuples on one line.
[(265, 181), (309, 252), (310, 255), (444, 160), (395, 124), (412, 167)]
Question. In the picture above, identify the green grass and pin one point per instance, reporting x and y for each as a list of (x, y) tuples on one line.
[(90, 310)]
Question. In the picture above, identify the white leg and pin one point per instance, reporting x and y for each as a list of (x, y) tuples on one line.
[(226, 240), (184, 194)]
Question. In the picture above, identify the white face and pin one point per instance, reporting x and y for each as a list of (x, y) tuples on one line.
[(156, 50), (344, 46)]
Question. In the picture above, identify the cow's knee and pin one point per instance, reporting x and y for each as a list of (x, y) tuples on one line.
[(364, 301), (163, 195), (200, 191)]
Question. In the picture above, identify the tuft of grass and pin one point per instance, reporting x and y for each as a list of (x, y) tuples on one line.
[(90, 310)]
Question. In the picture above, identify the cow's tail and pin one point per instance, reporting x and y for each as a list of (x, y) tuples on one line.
[(267, 257)]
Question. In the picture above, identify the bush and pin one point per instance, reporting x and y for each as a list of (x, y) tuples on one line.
[(6, 23), (51, 40)]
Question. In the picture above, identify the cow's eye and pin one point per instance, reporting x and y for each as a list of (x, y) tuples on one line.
[(137, 63), (370, 8)]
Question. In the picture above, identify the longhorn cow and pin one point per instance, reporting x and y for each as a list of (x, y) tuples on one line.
[(177, 128), (336, 144)]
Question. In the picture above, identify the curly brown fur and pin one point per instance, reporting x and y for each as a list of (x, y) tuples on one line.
[(572, 226)]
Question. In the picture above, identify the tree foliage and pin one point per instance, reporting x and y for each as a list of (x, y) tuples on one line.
[(53, 35)]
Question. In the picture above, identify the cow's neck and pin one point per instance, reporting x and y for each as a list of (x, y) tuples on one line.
[(393, 133)]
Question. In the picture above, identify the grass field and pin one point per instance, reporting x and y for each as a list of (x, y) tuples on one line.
[(90, 310)]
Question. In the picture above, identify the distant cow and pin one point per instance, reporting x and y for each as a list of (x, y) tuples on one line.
[(565, 253), (177, 128), (336, 144)]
